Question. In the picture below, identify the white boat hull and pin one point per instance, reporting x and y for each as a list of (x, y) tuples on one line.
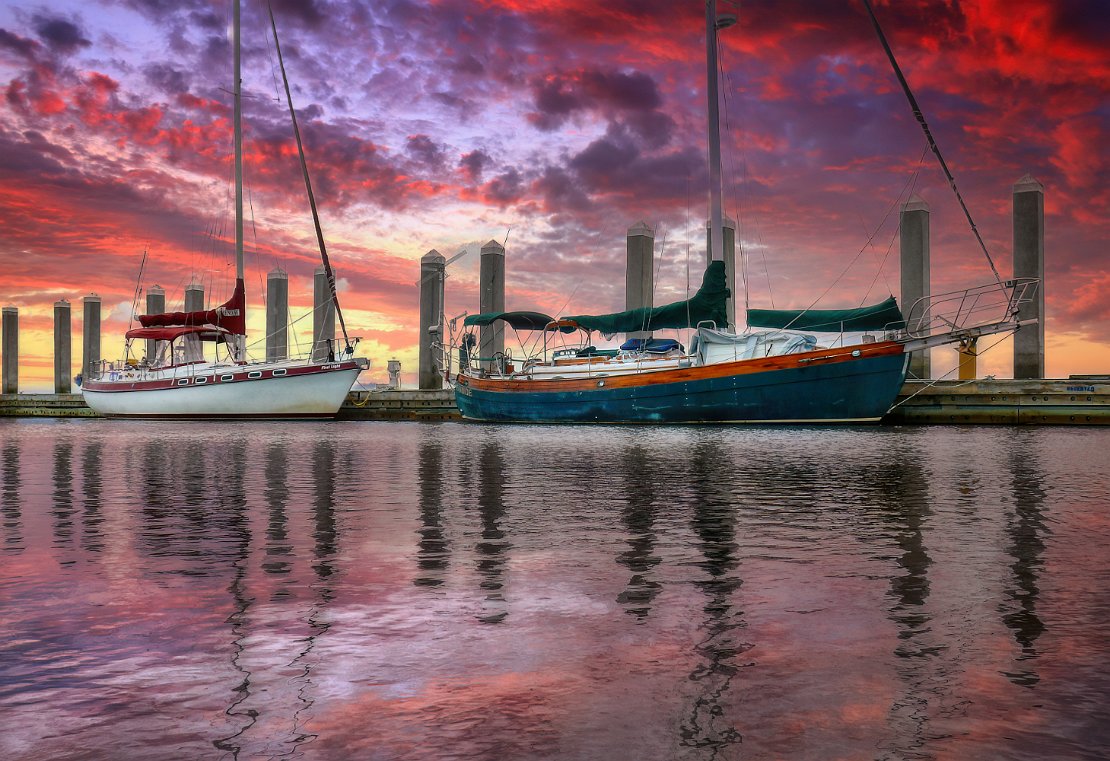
[(317, 393)]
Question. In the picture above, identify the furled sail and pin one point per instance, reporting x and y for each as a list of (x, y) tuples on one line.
[(229, 315), (707, 305), (881, 316)]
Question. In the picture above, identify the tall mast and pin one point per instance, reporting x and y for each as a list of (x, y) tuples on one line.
[(716, 223), (237, 92)]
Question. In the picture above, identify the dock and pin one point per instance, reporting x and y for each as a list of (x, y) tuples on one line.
[(1080, 400)]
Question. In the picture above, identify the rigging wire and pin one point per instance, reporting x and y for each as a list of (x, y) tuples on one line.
[(311, 198), (929, 135)]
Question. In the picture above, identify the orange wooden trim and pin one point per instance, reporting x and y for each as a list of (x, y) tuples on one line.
[(683, 374)]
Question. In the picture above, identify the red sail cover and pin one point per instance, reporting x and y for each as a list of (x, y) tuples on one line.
[(230, 316)]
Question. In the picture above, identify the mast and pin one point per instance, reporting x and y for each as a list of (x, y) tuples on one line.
[(716, 222), (237, 92)]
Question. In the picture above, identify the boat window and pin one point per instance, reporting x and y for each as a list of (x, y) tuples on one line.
[(201, 380), (280, 371), (254, 374), (228, 377), (183, 381)]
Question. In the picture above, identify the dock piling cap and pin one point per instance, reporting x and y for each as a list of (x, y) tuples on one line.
[(433, 257)]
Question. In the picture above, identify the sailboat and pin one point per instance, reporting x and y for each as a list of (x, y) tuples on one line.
[(780, 375), (180, 383)]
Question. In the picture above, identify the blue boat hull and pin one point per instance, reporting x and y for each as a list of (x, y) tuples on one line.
[(860, 390)]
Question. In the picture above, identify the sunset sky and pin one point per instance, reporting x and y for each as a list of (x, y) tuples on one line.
[(556, 125)]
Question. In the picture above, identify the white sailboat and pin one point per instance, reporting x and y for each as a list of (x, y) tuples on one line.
[(179, 384)]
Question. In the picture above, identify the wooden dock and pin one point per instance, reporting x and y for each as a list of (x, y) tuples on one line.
[(1081, 400)]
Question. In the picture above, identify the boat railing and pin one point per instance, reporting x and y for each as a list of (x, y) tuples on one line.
[(955, 311)]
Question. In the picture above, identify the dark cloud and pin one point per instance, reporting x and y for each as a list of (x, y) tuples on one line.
[(426, 153), (167, 78), (473, 164), (61, 35), (20, 45)]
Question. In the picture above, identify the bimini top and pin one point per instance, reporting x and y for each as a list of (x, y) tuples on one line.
[(881, 316), (515, 320), (205, 332)]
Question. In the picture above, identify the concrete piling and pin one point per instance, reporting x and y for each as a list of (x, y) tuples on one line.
[(432, 276), (492, 299), (90, 336), (638, 271), (393, 367), (729, 241), (1029, 262), (9, 347), (913, 230), (194, 302), (323, 317), (277, 315), (63, 351), (155, 304)]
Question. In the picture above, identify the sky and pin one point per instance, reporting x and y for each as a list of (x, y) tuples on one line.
[(551, 127)]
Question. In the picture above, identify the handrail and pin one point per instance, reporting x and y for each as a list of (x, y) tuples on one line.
[(971, 307)]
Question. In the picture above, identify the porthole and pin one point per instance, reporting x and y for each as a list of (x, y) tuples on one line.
[(226, 378), (254, 374), (280, 371), (183, 381), (201, 381)]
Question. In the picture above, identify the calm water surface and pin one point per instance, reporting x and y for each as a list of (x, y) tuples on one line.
[(421, 591)]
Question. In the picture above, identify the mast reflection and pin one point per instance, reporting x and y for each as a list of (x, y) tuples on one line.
[(12, 512), (326, 536), (493, 545), (714, 523), (1026, 527), (433, 549), (235, 530), (638, 517)]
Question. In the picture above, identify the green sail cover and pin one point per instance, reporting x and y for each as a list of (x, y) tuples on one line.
[(707, 304), (875, 317)]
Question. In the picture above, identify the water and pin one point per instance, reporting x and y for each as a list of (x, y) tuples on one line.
[(420, 591)]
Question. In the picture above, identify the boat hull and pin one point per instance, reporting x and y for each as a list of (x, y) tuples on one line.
[(310, 392), (815, 387)]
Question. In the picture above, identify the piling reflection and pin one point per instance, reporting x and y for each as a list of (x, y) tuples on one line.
[(92, 484), (62, 507), (279, 550), (11, 511), (433, 549), (638, 516), (714, 523), (1026, 527), (493, 547), (904, 491)]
